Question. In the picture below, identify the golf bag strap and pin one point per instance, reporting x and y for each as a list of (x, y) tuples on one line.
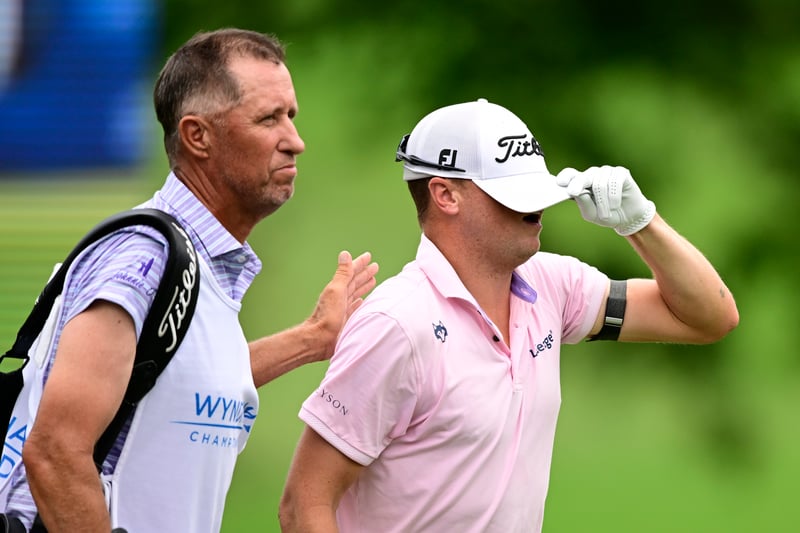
[(11, 525), (165, 326)]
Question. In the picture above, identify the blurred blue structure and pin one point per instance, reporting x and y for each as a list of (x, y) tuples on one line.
[(75, 79)]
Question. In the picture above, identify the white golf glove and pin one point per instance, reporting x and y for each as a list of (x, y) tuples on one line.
[(609, 197)]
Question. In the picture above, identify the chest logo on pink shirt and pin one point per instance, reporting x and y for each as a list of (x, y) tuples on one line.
[(546, 343), (439, 331)]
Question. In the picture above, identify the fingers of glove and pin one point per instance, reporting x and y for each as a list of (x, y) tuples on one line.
[(576, 182), (565, 176), (587, 207)]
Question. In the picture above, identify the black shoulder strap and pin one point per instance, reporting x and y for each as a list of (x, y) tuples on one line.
[(166, 323)]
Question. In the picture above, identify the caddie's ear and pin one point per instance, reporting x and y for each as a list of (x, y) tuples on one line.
[(445, 195), (195, 135)]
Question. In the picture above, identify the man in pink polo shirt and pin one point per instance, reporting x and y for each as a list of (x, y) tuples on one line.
[(439, 407)]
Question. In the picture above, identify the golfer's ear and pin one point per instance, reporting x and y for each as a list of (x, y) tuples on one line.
[(445, 195)]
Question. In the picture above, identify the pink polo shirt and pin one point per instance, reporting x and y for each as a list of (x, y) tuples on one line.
[(455, 425)]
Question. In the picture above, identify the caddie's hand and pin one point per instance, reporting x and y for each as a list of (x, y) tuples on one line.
[(360, 275), (353, 279), (608, 196)]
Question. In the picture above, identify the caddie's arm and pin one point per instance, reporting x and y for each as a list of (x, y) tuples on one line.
[(686, 301), (83, 392), (315, 338)]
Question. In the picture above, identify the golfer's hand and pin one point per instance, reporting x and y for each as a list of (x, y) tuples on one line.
[(609, 197), (353, 279)]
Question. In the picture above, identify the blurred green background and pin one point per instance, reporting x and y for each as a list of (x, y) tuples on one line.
[(700, 100)]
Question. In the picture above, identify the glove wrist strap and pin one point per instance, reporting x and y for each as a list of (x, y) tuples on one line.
[(641, 221)]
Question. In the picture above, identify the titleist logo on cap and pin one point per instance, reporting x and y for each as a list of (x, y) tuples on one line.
[(518, 145)]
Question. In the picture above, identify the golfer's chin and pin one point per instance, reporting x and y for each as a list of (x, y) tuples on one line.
[(520, 257), (532, 250)]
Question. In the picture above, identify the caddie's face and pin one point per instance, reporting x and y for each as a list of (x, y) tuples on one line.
[(257, 139)]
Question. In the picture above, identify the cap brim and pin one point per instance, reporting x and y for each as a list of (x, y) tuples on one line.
[(525, 193)]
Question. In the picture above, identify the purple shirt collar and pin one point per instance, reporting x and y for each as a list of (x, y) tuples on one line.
[(214, 239)]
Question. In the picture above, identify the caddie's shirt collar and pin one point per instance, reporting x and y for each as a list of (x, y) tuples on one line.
[(235, 265), (190, 211), (434, 264)]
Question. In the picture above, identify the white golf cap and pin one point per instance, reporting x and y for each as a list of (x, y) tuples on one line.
[(487, 144)]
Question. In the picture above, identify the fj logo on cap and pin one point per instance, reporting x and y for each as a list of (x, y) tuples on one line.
[(447, 157), (518, 145)]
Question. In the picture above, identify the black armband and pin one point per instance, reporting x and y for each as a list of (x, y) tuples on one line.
[(615, 312)]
